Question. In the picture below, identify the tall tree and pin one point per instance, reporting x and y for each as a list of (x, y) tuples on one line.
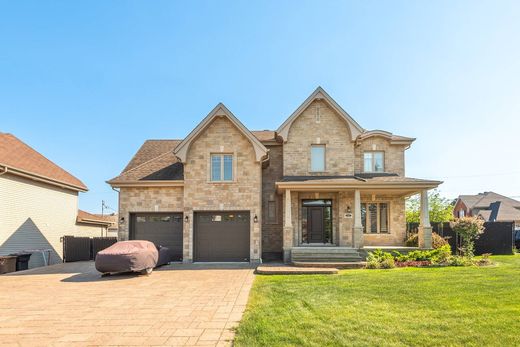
[(441, 209)]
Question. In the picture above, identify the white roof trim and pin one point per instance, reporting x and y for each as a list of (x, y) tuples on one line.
[(320, 93), (394, 139), (181, 151)]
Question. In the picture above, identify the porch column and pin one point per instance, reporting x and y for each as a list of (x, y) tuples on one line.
[(357, 237), (425, 228), (287, 228)]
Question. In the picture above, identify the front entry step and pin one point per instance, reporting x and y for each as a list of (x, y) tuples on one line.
[(339, 265), (325, 255)]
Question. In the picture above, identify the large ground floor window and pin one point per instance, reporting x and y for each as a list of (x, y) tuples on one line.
[(375, 218), (317, 221)]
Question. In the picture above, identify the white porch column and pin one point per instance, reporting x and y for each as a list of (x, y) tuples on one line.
[(287, 228), (358, 226), (425, 228)]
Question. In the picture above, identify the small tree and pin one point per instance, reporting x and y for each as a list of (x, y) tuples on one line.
[(469, 228), (441, 209)]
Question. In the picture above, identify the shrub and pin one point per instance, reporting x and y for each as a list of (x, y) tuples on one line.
[(437, 240), (372, 264), (441, 255), (469, 228), (387, 263), (460, 261), (485, 260)]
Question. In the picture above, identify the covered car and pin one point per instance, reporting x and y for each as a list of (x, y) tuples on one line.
[(128, 256)]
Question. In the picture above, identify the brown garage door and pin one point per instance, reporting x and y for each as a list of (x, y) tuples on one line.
[(163, 229), (221, 236)]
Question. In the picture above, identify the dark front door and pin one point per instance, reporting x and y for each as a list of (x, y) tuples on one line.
[(221, 236), (315, 221)]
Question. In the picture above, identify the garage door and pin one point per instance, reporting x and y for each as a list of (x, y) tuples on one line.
[(163, 229), (221, 236)]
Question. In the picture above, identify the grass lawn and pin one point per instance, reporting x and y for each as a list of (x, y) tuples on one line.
[(452, 306)]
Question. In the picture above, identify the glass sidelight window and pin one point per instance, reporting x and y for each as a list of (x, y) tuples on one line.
[(375, 218)]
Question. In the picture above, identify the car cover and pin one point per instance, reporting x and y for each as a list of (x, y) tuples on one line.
[(126, 256)]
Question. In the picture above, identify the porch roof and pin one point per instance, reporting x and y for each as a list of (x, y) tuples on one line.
[(387, 183)]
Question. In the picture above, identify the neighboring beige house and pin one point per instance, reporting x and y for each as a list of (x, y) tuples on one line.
[(490, 206), (319, 188), (39, 203)]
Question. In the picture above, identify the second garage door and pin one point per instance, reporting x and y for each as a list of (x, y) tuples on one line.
[(163, 229), (221, 236)]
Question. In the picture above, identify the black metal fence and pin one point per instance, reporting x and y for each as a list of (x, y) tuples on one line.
[(84, 248), (498, 237)]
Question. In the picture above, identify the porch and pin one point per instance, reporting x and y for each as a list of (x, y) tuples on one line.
[(333, 220)]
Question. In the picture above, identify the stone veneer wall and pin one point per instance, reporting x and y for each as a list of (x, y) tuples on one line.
[(272, 237), (244, 193), (343, 226), (394, 154), (397, 221), (331, 131), (147, 199)]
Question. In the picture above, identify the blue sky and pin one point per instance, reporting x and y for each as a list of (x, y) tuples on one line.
[(85, 83)]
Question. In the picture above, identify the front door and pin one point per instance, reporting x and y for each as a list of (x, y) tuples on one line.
[(316, 225), (317, 221)]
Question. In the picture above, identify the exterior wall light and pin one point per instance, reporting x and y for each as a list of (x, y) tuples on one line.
[(348, 209), (186, 219), (255, 219), (121, 220)]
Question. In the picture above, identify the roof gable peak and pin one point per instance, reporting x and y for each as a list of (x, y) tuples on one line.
[(181, 150), (320, 94)]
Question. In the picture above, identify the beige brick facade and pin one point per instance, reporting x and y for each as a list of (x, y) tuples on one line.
[(244, 193), (319, 121), (393, 154), (330, 130)]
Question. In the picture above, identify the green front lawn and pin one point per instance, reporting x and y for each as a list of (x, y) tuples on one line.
[(451, 306)]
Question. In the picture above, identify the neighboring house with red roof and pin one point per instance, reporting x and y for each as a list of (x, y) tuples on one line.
[(320, 188), (490, 206), (39, 203)]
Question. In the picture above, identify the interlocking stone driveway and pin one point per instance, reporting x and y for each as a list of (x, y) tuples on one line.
[(71, 305)]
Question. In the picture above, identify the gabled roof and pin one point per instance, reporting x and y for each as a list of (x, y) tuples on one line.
[(18, 158), (320, 94), (492, 206), (150, 150), (220, 110), (88, 218)]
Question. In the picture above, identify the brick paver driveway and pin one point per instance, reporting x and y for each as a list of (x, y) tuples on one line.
[(71, 305)]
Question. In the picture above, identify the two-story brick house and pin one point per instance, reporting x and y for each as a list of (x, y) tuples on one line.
[(320, 187)]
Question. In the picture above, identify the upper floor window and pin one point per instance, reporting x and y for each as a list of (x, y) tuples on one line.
[(374, 162), (461, 213), (221, 167), (318, 158)]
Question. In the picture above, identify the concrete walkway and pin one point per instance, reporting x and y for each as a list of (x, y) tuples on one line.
[(71, 305)]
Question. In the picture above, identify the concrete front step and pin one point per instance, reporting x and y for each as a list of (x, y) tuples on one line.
[(326, 258), (330, 249), (325, 254), (337, 265)]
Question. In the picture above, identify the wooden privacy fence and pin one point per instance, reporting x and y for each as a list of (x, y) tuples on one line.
[(84, 248), (498, 237)]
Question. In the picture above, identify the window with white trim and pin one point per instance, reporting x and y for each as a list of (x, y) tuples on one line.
[(374, 162), (221, 168), (318, 158), (375, 218)]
